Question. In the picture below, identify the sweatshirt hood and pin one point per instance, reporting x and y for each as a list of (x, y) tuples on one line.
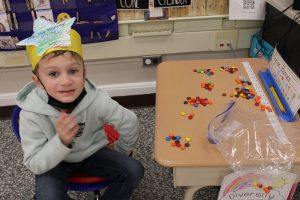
[(35, 99)]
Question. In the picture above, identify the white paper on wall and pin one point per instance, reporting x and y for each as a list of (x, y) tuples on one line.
[(4, 26), (2, 7), (247, 9), (41, 4), (46, 14)]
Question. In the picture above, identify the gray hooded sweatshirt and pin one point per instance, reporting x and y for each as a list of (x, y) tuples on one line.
[(42, 147)]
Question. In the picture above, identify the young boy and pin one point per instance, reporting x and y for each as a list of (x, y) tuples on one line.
[(62, 118)]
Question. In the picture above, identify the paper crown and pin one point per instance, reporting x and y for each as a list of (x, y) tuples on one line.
[(75, 47), (49, 37)]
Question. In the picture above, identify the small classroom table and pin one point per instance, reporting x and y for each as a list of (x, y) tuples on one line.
[(201, 164)]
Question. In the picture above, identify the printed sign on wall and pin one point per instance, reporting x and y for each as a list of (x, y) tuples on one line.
[(171, 3), (132, 4)]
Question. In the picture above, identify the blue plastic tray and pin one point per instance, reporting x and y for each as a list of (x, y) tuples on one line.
[(268, 81)]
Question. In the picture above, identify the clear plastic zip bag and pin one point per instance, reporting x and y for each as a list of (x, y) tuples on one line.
[(252, 141)]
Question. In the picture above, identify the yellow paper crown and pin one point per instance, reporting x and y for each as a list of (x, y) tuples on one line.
[(74, 47)]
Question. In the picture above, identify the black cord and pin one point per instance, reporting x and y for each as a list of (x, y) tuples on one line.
[(261, 50), (281, 12), (232, 50), (270, 17), (260, 32)]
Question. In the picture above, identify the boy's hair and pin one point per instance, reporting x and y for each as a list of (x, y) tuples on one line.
[(55, 54)]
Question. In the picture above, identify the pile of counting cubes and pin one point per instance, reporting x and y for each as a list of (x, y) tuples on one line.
[(244, 92), (247, 93), (175, 141), (242, 82), (231, 70), (197, 101), (208, 72), (207, 85)]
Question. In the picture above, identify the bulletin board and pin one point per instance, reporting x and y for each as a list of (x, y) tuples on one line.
[(96, 20), (196, 8)]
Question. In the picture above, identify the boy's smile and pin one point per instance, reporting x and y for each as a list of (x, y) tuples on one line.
[(61, 76)]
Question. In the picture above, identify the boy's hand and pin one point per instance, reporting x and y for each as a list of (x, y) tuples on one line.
[(67, 127), (111, 146)]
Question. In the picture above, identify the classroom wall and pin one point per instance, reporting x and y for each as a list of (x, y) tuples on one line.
[(117, 65)]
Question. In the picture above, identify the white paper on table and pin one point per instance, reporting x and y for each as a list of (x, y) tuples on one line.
[(247, 9), (287, 81), (256, 185)]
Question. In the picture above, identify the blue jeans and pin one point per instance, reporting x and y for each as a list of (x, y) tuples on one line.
[(124, 172)]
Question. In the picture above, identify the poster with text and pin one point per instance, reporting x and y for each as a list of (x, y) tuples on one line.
[(171, 3), (132, 4)]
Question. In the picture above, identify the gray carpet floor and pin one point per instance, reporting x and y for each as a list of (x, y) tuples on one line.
[(17, 183)]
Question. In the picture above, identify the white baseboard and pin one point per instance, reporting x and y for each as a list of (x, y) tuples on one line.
[(7, 99), (126, 89)]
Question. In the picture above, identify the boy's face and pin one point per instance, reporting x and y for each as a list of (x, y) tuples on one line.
[(62, 76)]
